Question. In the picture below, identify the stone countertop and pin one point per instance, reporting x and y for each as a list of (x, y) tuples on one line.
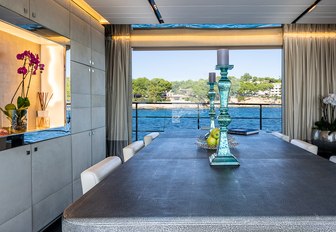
[(15, 140), (170, 186)]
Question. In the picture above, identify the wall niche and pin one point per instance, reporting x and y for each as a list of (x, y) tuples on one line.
[(51, 82)]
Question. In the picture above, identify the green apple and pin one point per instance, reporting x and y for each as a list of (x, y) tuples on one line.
[(211, 141), (215, 133)]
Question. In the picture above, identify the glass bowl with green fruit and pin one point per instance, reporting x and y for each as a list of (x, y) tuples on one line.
[(210, 140)]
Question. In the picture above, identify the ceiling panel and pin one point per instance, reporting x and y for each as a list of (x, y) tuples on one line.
[(229, 11), (325, 12), (215, 11), (124, 11)]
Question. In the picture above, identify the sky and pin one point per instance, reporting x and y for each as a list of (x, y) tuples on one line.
[(194, 65)]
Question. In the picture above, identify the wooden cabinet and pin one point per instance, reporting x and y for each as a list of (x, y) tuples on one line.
[(98, 145), (97, 48), (19, 6), (16, 190), (81, 159), (98, 104), (49, 13), (87, 39), (88, 98), (51, 179), (88, 148)]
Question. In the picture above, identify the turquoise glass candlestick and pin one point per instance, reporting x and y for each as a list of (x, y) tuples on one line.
[(212, 112), (223, 156)]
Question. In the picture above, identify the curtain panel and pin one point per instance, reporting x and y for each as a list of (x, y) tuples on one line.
[(310, 72), (118, 88)]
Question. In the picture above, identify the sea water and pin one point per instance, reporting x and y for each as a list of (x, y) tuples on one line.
[(189, 118)]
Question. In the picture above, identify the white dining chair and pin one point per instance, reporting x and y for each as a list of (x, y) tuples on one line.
[(333, 158), (281, 136), (150, 137), (96, 173), (130, 150), (304, 145)]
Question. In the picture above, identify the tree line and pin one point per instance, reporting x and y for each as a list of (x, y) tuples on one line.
[(156, 90)]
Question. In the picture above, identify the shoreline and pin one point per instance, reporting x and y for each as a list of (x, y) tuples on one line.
[(154, 106)]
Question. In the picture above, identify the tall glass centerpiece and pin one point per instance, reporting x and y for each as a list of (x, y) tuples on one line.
[(212, 95), (223, 156)]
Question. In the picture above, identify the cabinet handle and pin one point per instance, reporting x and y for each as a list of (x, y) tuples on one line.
[(89, 69), (93, 133), (92, 63), (35, 149), (25, 10), (93, 70), (89, 133), (27, 152), (34, 15)]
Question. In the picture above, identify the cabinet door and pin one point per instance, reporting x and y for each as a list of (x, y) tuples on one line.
[(98, 113), (15, 182), (80, 53), (51, 179), (80, 78), (80, 30), (81, 159), (21, 222), (51, 15), (98, 49), (98, 145), (51, 162), (19, 6), (98, 41), (98, 60), (97, 82)]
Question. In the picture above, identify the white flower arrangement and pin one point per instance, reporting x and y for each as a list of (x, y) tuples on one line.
[(328, 105), (330, 99)]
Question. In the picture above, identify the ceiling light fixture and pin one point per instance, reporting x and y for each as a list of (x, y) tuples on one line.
[(308, 10), (86, 7), (156, 11)]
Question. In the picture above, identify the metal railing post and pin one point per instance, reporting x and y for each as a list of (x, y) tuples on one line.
[(260, 115), (136, 121), (198, 116)]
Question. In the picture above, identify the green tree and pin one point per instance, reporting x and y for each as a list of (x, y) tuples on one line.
[(158, 89), (247, 89), (246, 77), (140, 88), (235, 84)]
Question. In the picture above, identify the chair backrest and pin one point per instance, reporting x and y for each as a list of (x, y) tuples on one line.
[(150, 137), (130, 150), (96, 173), (304, 145), (333, 158), (281, 136)]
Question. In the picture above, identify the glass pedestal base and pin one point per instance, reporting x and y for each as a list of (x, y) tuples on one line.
[(223, 160)]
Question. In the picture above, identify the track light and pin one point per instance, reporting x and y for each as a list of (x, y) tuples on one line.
[(308, 10), (156, 11)]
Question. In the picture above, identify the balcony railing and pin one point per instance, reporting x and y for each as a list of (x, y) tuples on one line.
[(149, 117)]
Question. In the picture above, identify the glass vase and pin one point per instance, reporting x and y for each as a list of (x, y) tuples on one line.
[(19, 121), (42, 119)]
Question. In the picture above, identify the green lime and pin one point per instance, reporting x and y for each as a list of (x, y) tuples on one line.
[(10, 107)]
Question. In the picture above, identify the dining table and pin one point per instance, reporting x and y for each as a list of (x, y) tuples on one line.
[(170, 186)]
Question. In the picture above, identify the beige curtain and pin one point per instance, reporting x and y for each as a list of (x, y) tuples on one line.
[(118, 88), (310, 72)]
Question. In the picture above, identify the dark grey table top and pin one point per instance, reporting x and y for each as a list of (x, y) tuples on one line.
[(172, 178)]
